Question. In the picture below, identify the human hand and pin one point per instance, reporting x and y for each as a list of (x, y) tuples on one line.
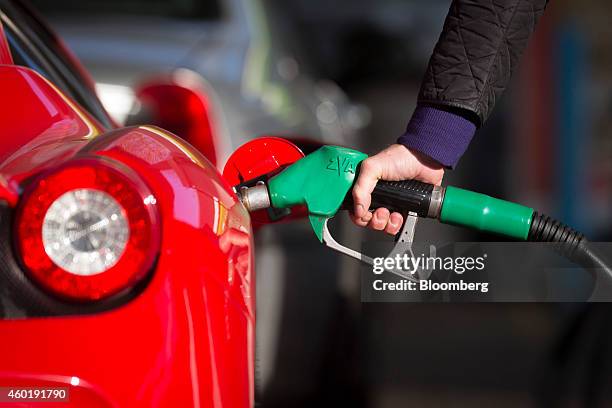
[(395, 163)]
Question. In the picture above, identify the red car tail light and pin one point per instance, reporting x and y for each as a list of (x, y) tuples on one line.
[(88, 231)]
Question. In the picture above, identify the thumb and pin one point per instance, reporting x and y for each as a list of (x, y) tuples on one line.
[(369, 175)]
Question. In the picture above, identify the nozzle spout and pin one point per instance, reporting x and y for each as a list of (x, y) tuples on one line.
[(255, 198)]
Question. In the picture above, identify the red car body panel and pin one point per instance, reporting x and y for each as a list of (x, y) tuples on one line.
[(45, 127), (188, 338)]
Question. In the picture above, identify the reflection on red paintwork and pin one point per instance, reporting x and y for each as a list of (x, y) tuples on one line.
[(40, 126), (236, 244)]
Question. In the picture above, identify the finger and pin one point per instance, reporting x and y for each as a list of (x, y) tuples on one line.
[(367, 217), (358, 221), (394, 224), (368, 177), (380, 219)]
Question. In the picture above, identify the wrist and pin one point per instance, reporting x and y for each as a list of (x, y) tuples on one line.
[(422, 158)]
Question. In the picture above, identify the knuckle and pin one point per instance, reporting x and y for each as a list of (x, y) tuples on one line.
[(359, 223), (382, 214), (369, 164), (378, 223)]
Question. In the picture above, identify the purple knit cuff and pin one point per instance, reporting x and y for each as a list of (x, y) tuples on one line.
[(441, 135)]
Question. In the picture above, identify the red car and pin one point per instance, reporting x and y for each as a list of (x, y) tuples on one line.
[(125, 257)]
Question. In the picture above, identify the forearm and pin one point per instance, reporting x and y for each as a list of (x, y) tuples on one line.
[(472, 63)]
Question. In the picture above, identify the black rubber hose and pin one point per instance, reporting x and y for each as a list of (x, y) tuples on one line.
[(589, 257), (573, 244)]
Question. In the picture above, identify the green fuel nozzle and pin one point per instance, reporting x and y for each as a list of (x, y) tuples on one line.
[(322, 181)]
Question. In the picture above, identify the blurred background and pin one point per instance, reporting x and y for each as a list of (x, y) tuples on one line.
[(347, 72)]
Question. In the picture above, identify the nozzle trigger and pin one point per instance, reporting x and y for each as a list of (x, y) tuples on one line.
[(402, 246)]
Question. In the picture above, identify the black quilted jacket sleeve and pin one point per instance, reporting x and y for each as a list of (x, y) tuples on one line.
[(480, 45)]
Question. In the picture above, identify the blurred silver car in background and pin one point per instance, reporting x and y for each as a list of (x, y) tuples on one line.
[(228, 49), (175, 62)]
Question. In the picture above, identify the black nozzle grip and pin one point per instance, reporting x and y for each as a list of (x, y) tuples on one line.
[(399, 196)]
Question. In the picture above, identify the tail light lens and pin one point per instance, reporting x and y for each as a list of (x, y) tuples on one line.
[(88, 231)]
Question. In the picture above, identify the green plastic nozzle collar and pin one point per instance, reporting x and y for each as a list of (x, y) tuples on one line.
[(485, 213)]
